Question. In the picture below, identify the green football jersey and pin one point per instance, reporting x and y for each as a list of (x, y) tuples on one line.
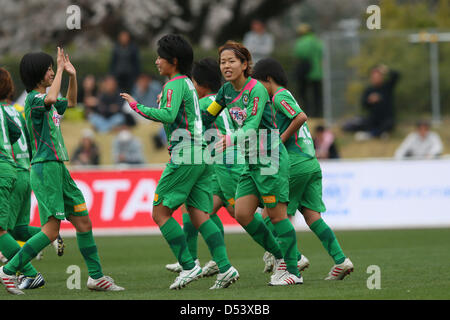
[(21, 146), (250, 109), (179, 111), (287, 108), (9, 133), (43, 125)]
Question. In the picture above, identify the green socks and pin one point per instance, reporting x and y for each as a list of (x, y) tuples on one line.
[(215, 218), (261, 234), (23, 233), (29, 250), (216, 245), (88, 249), (275, 234), (174, 236), (288, 244), (328, 239), (191, 235)]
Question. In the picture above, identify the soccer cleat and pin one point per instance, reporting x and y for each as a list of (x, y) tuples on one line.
[(25, 282), (186, 277), (177, 268), (269, 261), (10, 282), (210, 269), (59, 246), (286, 279), (104, 283), (224, 280), (40, 255), (303, 263), (339, 271)]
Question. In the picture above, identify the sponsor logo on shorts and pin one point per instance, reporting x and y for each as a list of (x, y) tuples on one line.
[(156, 197), (231, 201), (59, 214), (80, 207), (269, 199)]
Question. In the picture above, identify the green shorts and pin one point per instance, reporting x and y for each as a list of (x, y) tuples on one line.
[(216, 191), (8, 178), (189, 184), (305, 186), (20, 200), (269, 188), (57, 194), (228, 179)]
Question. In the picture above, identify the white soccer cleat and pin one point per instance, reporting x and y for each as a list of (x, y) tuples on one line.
[(269, 261), (224, 280), (286, 279), (186, 277), (339, 271), (210, 269), (303, 263), (104, 283), (177, 268), (40, 255), (10, 282)]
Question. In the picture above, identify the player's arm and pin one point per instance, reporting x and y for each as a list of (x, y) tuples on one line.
[(290, 108), (53, 92), (72, 90)]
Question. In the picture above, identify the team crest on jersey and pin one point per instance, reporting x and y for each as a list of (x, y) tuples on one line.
[(245, 98), (56, 118), (239, 115)]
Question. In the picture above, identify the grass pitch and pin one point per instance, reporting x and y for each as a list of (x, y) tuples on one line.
[(414, 264)]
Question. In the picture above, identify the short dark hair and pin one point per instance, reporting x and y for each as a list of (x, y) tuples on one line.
[(33, 67), (269, 67), (6, 85), (173, 46), (206, 73)]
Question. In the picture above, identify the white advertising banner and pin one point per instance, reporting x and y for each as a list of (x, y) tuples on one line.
[(373, 194)]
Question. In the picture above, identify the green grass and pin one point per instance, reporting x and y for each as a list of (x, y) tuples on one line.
[(414, 265)]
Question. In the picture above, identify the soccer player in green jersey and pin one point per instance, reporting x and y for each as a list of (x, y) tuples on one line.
[(186, 178), (57, 194), (9, 134), (265, 176), (207, 80), (305, 182)]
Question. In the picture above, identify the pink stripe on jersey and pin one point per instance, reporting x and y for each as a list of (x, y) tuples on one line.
[(280, 90), (54, 149), (173, 79), (249, 86)]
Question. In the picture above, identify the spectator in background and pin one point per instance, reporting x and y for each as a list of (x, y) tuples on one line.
[(146, 90), (422, 143), (325, 144), (258, 41), (87, 94), (87, 152), (125, 62), (378, 102), (126, 148), (308, 51), (108, 113)]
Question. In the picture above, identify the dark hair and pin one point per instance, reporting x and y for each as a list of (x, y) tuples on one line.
[(173, 46), (241, 52), (269, 67), (206, 73), (6, 85), (33, 67)]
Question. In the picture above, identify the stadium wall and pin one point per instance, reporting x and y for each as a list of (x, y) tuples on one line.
[(358, 194)]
